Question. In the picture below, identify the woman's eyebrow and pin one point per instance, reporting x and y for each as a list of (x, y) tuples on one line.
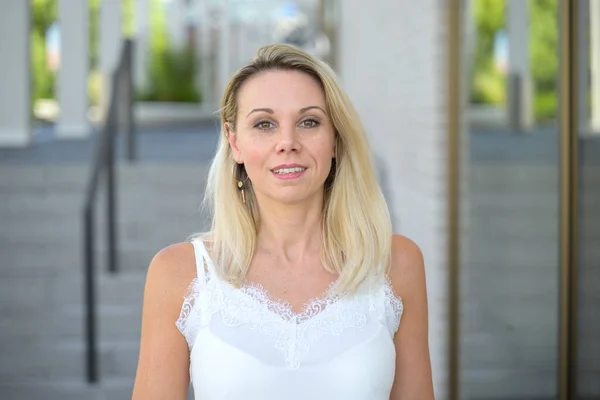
[(305, 109), (268, 110)]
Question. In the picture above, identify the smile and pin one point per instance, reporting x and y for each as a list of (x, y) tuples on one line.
[(294, 170), (288, 172)]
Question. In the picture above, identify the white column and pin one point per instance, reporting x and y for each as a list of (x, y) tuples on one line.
[(224, 63), (110, 45), (175, 23), (15, 97), (142, 29), (74, 69), (203, 43), (595, 58), (519, 100), (392, 61)]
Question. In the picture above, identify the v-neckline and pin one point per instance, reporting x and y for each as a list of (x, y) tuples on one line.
[(278, 307), (283, 309)]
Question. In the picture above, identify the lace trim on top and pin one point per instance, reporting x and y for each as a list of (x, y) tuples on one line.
[(393, 306), (283, 308), (294, 332), (186, 322)]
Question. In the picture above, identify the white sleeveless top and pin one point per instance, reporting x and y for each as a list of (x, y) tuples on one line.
[(243, 345)]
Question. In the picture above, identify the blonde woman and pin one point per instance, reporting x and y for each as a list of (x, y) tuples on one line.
[(299, 290)]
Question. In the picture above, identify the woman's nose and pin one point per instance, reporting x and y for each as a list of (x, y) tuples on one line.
[(288, 140)]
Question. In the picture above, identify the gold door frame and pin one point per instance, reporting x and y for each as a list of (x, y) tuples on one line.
[(455, 9), (569, 143)]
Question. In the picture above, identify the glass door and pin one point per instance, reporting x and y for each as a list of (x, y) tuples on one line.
[(529, 276), (510, 264)]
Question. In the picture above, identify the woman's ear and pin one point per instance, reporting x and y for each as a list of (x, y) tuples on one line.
[(232, 139)]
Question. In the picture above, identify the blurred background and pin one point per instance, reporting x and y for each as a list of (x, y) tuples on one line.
[(483, 115)]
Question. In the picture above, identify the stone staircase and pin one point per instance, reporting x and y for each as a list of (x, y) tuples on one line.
[(41, 273), (511, 278)]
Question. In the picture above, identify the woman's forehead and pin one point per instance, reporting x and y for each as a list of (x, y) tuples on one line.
[(280, 90)]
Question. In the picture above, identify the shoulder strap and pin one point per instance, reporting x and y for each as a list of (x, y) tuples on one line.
[(203, 260)]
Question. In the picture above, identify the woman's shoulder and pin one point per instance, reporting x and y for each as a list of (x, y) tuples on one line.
[(407, 268), (171, 270)]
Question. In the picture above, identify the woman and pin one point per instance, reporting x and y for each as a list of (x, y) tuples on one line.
[(295, 291)]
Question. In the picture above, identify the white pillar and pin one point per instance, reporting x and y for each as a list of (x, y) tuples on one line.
[(142, 30), (595, 58), (519, 100), (15, 97), (392, 61), (224, 64), (203, 43), (74, 69), (175, 23), (110, 45)]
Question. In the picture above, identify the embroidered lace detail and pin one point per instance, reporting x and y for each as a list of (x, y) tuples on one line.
[(284, 309), (185, 322), (393, 307), (294, 333)]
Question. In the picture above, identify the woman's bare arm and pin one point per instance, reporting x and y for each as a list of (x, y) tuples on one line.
[(413, 366), (163, 364)]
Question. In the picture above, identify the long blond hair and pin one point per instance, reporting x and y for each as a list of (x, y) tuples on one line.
[(356, 226)]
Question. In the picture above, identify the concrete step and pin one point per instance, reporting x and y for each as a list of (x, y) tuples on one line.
[(113, 322), (509, 176), (67, 389), (41, 273), (162, 228), (66, 360), (29, 293), (35, 177), (47, 261), (484, 384), (71, 389), (497, 229), (61, 176)]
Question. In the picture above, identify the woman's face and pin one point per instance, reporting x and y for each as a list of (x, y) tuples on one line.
[(283, 136)]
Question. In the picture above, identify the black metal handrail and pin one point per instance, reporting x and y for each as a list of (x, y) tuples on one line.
[(119, 115)]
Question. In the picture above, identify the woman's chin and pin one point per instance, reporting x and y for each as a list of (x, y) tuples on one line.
[(293, 197)]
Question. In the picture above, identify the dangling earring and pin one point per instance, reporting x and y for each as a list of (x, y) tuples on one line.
[(241, 184)]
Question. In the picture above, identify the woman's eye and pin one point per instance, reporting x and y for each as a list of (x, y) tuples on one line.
[(309, 123), (264, 125)]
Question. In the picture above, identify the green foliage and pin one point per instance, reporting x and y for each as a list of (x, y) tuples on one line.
[(545, 105), (171, 78), (128, 9), (488, 87), (94, 87), (543, 45), (171, 72), (94, 32), (489, 19), (488, 83), (43, 15), (44, 80)]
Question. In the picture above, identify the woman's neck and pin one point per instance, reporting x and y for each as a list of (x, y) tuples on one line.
[(291, 230)]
